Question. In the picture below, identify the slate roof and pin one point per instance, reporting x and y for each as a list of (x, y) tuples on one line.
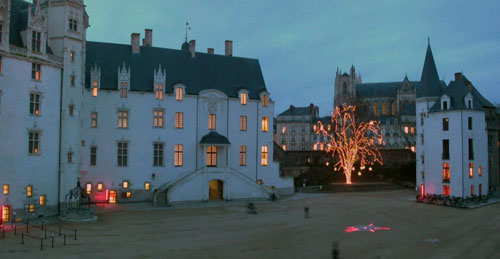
[(457, 90), (204, 71), (297, 111), (430, 85), (214, 138), (385, 89)]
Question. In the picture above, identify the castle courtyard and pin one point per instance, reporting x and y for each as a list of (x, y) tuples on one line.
[(279, 230)]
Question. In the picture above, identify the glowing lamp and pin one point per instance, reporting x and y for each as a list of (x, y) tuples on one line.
[(259, 181), (129, 194), (370, 169), (359, 173), (327, 164)]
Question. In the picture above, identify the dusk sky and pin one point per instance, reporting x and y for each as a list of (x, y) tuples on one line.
[(300, 44)]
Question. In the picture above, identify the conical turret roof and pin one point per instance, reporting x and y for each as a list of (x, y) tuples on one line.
[(430, 86)]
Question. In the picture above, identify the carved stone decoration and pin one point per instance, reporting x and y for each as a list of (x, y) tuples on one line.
[(212, 101), (160, 76)]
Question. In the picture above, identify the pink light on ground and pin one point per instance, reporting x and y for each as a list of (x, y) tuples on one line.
[(365, 228)]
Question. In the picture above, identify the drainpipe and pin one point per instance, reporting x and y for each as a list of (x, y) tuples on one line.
[(227, 131), (60, 146), (257, 144), (462, 141), (196, 138)]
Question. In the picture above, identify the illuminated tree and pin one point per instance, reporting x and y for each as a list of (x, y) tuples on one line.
[(350, 141)]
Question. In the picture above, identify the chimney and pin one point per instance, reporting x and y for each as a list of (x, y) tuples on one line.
[(134, 42), (148, 38), (192, 47), (229, 47), (292, 107), (311, 107), (143, 42), (458, 76), (210, 50)]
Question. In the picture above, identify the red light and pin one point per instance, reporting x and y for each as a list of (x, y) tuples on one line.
[(422, 190), (107, 195), (369, 227)]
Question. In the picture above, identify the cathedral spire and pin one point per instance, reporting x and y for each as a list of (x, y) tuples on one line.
[(429, 82)]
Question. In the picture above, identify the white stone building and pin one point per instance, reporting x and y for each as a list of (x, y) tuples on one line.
[(452, 148), (132, 122)]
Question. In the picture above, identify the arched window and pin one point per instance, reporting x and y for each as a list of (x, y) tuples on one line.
[(375, 109), (393, 108), (384, 108), (344, 88)]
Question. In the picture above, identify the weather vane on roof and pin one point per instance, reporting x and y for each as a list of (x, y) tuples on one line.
[(187, 28)]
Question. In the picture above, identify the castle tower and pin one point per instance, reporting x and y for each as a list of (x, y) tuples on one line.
[(345, 87)]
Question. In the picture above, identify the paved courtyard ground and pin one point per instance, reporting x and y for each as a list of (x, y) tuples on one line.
[(224, 230)]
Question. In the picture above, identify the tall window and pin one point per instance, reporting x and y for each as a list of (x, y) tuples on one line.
[(471, 170), (243, 98), (179, 120), (480, 171), (42, 200), (445, 105), (264, 124), (122, 119), (5, 213), (34, 142), (472, 190), (469, 123), (265, 100), (35, 41), (88, 188), (93, 123), (5, 189), (375, 109), (243, 123), (471, 149), (72, 56), (243, 155), (73, 24), (93, 155), (70, 157), (211, 156), (283, 129), (35, 104), (158, 118), (211, 121), (158, 154), (72, 80), (123, 89), (446, 149), (71, 109), (393, 108), (35, 71), (122, 153), (446, 172), (264, 155), (445, 124), (0, 57), (159, 92), (384, 108), (95, 85), (178, 155), (446, 190), (179, 93), (29, 190)]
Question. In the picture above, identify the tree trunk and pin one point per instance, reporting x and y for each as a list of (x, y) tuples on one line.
[(347, 174)]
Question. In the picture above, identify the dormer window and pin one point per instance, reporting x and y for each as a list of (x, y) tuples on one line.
[(265, 100), (445, 105), (179, 92), (36, 41), (73, 24), (243, 98), (123, 89), (159, 92), (468, 101), (95, 86)]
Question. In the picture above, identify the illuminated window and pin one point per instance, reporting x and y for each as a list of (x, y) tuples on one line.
[(112, 196), (393, 108), (147, 186), (283, 129), (211, 156), (34, 143), (243, 123), (158, 118), (122, 119), (412, 148), (29, 190), (123, 89), (72, 80), (70, 157), (5, 213), (471, 170), (480, 171), (412, 130), (265, 100), (95, 85), (315, 147), (243, 155), (6, 189), (72, 56), (93, 155), (284, 147), (375, 109), (264, 124), (446, 190), (93, 123), (158, 154), (446, 172), (35, 104), (178, 155), (122, 153), (179, 93), (31, 208), (100, 186), (128, 195), (125, 184), (35, 41), (472, 190), (211, 121), (480, 189), (179, 120), (379, 141), (384, 108), (264, 155), (71, 109), (406, 129), (159, 92), (243, 98), (88, 188), (36, 72)]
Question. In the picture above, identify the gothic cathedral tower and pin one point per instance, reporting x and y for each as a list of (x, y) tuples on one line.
[(345, 87)]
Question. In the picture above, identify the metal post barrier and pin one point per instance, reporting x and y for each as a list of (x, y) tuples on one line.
[(45, 233), (22, 238), (27, 225), (64, 239), (42, 223), (59, 230), (52, 240), (41, 243), (75, 233), (15, 230)]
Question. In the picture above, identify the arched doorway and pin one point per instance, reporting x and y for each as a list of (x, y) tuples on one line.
[(215, 190)]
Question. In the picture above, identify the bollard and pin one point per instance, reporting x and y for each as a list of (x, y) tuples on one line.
[(335, 250), (52, 240), (22, 238), (64, 239), (75, 233), (59, 230), (15, 230), (42, 224), (27, 225), (45, 233), (306, 212), (41, 243)]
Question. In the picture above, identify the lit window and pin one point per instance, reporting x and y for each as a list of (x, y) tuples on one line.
[(211, 121), (94, 120), (472, 189), (471, 170), (88, 188), (159, 92), (446, 190), (264, 155), (31, 208), (446, 172), (128, 195), (211, 156), (72, 56), (35, 104), (480, 171), (412, 130), (71, 109), (243, 98), (283, 129), (264, 124), (406, 130), (112, 196), (393, 108), (35, 72), (95, 85), (284, 147), (178, 155), (243, 123), (122, 153), (29, 191), (379, 141), (93, 155), (375, 109), (123, 89), (179, 94), (34, 143), (265, 100), (35, 41), (243, 155), (5, 213), (125, 184), (158, 154), (72, 79), (99, 187), (122, 119), (384, 108), (179, 120), (6, 189), (158, 118), (70, 157), (147, 186), (412, 148)]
